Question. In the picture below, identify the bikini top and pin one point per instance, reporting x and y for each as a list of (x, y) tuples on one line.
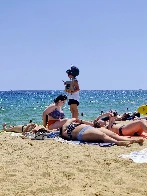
[(57, 114), (70, 128)]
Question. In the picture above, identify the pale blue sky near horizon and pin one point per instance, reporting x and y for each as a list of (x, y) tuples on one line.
[(105, 39)]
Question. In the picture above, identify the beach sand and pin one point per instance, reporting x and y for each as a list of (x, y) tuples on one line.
[(46, 167)]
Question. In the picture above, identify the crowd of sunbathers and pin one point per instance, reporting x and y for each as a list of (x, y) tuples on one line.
[(102, 129)]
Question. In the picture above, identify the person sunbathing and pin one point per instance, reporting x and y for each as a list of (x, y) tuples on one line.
[(15, 129), (25, 128), (72, 130), (134, 128), (127, 116)]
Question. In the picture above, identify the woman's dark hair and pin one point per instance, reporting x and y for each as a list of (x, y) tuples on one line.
[(125, 116), (96, 124), (60, 98), (42, 130), (136, 114), (60, 135), (74, 71), (106, 118)]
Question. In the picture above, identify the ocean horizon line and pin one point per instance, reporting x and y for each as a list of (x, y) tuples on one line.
[(80, 90)]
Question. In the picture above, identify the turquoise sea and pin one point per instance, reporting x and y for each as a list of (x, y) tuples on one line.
[(18, 107)]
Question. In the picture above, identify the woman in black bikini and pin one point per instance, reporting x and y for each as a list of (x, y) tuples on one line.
[(84, 132)]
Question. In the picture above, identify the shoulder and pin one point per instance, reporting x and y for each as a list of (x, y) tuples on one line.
[(75, 81), (50, 108), (52, 104)]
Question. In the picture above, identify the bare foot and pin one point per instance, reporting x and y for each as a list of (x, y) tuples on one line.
[(4, 125), (139, 141), (124, 143)]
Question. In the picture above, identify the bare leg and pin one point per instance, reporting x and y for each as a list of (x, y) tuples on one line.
[(121, 138), (10, 126), (74, 110), (135, 127), (6, 129), (16, 129), (106, 138), (114, 135), (97, 135)]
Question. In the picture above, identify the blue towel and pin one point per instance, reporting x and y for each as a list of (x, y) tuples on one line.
[(53, 134)]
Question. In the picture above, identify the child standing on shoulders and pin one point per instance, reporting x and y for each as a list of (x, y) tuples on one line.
[(72, 88)]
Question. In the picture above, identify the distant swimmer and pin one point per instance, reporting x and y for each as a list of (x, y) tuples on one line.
[(82, 114)]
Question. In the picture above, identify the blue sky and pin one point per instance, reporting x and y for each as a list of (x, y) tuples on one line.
[(105, 39)]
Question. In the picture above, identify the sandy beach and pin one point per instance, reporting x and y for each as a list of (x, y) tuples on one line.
[(47, 167)]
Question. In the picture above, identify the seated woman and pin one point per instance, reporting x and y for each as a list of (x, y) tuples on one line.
[(84, 132), (135, 128), (54, 113)]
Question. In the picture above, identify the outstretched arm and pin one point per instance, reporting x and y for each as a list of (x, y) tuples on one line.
[(105, 114), (111, 122), (84, 122)]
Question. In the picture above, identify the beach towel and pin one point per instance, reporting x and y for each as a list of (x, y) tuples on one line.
[(55, 136), (137, 157)]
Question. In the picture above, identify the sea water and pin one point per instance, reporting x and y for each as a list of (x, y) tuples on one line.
[(18, 107)]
